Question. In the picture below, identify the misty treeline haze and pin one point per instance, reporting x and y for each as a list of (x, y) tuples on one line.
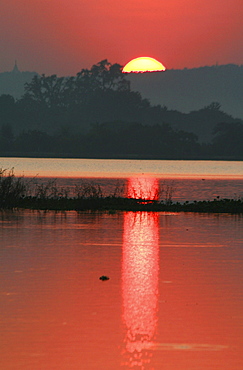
[(96, 114)]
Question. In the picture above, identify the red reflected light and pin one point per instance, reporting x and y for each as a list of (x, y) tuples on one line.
[(143, 188), (140, 269)]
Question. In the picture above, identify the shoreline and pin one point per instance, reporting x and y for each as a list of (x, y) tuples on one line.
[(122, 156), (114, 204)]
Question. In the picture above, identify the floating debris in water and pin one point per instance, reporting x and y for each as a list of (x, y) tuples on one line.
[(104, 278)]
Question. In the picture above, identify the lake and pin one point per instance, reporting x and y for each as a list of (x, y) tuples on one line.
[(174, 297)]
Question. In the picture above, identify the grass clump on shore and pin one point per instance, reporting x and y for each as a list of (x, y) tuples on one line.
[(18, 193), (12, 189)]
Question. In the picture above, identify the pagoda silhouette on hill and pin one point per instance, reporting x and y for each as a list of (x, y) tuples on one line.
[(15, 69), (12, 82)]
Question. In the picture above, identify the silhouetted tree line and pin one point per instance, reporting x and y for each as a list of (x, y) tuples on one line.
[(95, 114)]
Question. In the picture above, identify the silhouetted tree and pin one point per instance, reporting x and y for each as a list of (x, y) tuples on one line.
[(228, 139), (137, 140), (57, 101), (104, 76), (95, 113), (46, 90), (33, 141), (6, 138), (6, 133), (214, 106), (8, 111), (7, 103)]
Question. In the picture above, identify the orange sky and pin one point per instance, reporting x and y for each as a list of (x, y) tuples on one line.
[(64, 36)]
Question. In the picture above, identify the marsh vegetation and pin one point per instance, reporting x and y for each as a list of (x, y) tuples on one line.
[(18, 192)]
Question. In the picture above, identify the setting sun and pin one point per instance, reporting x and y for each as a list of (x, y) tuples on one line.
[(143, 64)]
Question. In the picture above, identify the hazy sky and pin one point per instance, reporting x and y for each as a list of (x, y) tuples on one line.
[(64, 36)]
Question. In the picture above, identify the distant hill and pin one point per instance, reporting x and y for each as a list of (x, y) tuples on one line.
[(12, 83), (96, 115), (191, 89), (184, 90), (191, 100)]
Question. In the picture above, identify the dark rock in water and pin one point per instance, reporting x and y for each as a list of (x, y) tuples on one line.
[(104, 278)]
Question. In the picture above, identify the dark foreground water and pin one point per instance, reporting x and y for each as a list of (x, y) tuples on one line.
[(174, 299)]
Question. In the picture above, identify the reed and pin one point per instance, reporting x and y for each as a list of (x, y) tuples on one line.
[(12, 189)]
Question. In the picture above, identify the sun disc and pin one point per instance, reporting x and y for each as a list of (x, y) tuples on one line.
[(143, 64)]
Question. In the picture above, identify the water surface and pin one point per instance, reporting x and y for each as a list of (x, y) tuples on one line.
[(114, 168), (174, 298)]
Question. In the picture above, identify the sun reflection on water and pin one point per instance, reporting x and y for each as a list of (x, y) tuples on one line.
[(143, 188), (140, 270)]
